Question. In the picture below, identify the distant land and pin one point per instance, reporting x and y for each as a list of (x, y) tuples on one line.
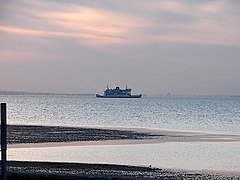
[(92, 94), (41, 93)]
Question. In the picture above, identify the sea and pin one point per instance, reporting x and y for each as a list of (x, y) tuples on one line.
[(209, 114), (218, 114)]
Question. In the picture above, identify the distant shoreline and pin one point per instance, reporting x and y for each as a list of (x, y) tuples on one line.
[(41, 93), (26, 93)]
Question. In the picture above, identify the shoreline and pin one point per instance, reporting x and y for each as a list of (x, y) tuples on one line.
[(57, 170), (22, 136), (29, 136)]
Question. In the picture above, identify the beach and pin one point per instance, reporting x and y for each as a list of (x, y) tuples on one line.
[(22, 136), (47, 170)]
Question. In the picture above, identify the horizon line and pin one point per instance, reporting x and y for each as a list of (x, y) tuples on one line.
[(16, 92)]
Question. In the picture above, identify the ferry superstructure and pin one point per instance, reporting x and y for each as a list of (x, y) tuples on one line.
[(118, 93)]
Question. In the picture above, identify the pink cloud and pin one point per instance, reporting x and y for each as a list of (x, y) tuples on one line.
[(93, 26), (96, 27), (7, 56)]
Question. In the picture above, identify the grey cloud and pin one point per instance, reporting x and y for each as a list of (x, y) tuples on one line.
[(66, 65)]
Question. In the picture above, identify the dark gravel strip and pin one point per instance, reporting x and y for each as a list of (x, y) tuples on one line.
[(46, 170), (45, 134)]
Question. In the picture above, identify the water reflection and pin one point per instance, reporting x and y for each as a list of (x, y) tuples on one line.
[(209, 114), (193, 156)]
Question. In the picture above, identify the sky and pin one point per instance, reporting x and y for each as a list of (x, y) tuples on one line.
[(184, 47)]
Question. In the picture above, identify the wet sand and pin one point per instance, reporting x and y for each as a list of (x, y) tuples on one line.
[(40, 136)]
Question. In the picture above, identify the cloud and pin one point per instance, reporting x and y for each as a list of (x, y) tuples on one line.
[(88, 26), (7, 56), (162, 46), (193, 22), (135, 22), (95, 27)]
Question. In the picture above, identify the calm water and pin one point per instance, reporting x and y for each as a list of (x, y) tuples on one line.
[(192, 156), (209, 114)]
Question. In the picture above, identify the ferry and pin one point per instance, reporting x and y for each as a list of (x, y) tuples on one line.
[(118, 93)]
